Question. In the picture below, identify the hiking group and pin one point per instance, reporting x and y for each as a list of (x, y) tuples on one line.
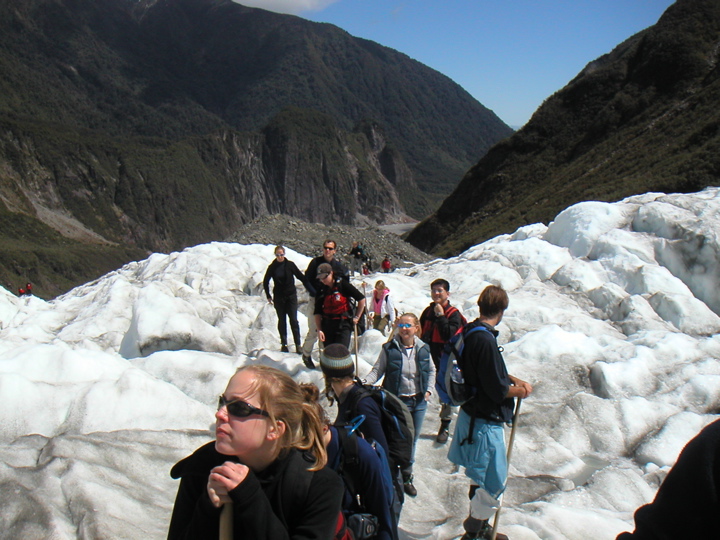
[(280, 469)]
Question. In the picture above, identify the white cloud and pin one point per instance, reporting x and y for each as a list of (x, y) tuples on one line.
[(293, 7)]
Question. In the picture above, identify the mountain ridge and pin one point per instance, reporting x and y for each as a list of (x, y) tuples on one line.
[(641, 118)]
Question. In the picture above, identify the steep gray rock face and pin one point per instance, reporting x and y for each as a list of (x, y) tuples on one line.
[(201, 189)]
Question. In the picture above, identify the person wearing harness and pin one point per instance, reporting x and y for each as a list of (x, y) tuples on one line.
[(439, 322), (479, 442), (334, 317), (312, 284)]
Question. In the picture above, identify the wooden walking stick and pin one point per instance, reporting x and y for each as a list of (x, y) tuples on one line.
[(509, 453), (357, 373), (226, 522)]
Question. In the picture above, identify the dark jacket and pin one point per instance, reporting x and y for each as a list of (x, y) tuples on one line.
[(368, 483), (436, 331), (371, 428), (282, 275), (687, 505), (311, 282), (484, 368), (344, 287), (266, 505)]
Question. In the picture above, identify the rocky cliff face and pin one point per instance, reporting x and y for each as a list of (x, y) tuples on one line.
[(171, 195)]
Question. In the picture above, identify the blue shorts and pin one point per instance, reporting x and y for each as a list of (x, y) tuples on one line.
[(485, 460)]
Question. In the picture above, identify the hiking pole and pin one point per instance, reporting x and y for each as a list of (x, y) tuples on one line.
[(357, 364), (226, 522), (516, 415)]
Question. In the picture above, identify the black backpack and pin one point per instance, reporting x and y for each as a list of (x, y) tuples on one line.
[(396, 420)]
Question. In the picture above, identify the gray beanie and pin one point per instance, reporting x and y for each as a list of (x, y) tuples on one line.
[(336, 362)]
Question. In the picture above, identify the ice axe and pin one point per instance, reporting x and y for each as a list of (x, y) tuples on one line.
[(226, 522), (516, 415)]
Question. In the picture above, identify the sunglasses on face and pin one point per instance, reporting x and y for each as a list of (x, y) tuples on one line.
[(239, 408), (327, 248), (279, 254), (404, 325)]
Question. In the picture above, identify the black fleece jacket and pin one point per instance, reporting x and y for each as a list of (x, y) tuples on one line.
[(270, 505)]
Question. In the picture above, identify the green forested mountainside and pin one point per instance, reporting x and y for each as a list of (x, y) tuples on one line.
[(187, 67), (157, 125), (645, 117)]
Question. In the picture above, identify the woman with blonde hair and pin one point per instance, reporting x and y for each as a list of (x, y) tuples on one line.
[(267, 462), (381, 306), (407, 370)]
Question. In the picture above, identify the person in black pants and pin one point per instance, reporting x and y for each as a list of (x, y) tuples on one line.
[(284, 297)]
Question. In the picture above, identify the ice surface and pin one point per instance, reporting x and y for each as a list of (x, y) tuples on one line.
[(613, 318)]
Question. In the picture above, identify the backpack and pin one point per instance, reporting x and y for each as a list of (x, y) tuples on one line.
[(335, 304), (299, 489), (361, 523), (449, 382), (396, 420)]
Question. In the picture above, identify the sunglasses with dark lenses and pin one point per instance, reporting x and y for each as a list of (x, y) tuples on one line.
[(404, 325), (329, 248), (239, 408)]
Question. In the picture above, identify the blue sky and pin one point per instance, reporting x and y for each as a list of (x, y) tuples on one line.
[(509, 54)]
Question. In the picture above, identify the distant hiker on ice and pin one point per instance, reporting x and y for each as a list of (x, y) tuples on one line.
[(479, 440), (409, 373), (386, 265), (439, 322), (381, 307), (283, 273), (338, 307), (311, 283), (266, 466), (357, 254)]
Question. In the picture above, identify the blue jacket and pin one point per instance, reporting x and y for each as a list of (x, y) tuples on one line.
[(369, 485)]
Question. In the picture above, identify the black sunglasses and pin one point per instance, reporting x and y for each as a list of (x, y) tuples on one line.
[(329, 248), (239, 408)]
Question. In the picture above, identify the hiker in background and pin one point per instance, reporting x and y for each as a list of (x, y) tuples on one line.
[(365, 270), (311, 284), (368, 486), (409, 373), (28, 289), (439, 322), (381, 307), (335, 316), (385, 265), (479, 440), (267, 463), (357, 254), (21, 291), (283, 273)]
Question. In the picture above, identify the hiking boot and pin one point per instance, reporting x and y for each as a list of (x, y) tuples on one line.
[(408, 487), (483, 533), (443, 432), (283, 348), (307, 360)]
